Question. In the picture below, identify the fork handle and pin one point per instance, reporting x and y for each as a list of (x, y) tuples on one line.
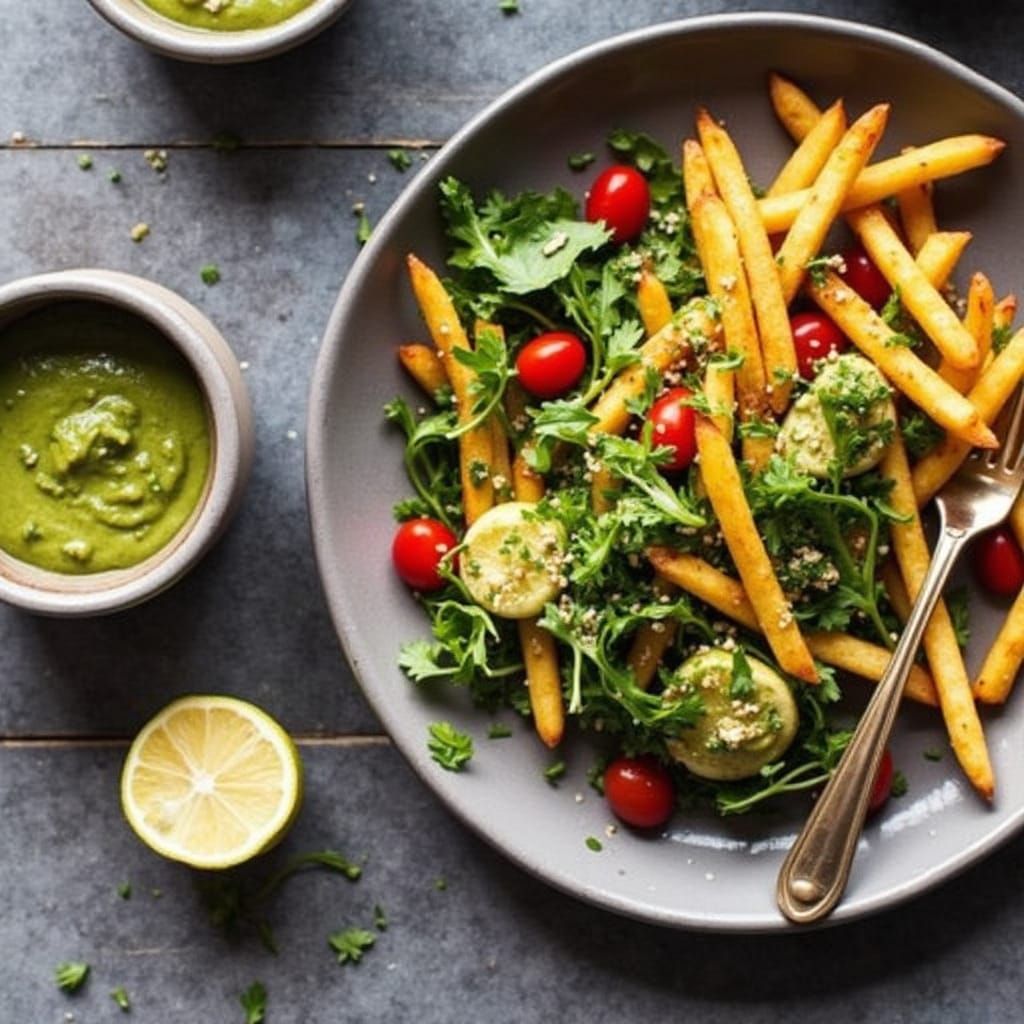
[(815, 871)]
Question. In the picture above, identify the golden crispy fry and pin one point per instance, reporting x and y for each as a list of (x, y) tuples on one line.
[(940, 253), (655, 305), (825, 198), (448, 334), (1002, 663), (652, 640), (540, 656), (725, 492), (918, 381), (776, 338), (941, 159), (895, 590), (697, 179), (978, 322), (793, 107), (1004, 312), (501, 460), (527, 485), (809, 157), (917, 213), (757, 451), (726, 595), (727, 285), (425, 366), (917, 294), (988, 396), (941, 649), (720, 391), (669, 347)]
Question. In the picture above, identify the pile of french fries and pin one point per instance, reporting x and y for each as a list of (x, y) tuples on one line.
[(755, 254)]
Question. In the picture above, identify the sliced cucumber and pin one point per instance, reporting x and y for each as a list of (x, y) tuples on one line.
[(737, 735), (512, 560)]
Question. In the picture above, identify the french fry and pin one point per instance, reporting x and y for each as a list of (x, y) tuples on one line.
[(726, 595), (918, 381), (940, 645), (697, 183), (501, 461), (988, 396), (825, 197), (940, 253), (667, 348), (425, 366), (794, 108), (653, 302), (652, 640), (807, 160), (917, 213), (1002, 663), (778, 354), (917, 294), (448, 335), (527, 484), (896, 590), (720, 391), (1004, 312), (978, 321), (725, 492), (942, 159)]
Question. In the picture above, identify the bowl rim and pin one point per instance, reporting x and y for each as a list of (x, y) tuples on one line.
[(330, 355), (207, 46), (220, 382)]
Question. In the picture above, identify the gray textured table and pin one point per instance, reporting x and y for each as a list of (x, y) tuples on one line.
[(492, 943)]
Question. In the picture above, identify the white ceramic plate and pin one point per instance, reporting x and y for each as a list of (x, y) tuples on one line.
[(704, 872)]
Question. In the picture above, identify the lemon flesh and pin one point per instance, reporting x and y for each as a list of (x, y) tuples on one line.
[(512, 560), (211, 782)]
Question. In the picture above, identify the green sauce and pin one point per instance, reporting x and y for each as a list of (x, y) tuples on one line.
[(228, 15), (104, 439)]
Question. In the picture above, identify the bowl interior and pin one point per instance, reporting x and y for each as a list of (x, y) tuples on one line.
[(704, 873)]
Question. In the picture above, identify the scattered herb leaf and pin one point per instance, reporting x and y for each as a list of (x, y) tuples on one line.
[(254, 1002), (351, 943), (450, 748), (71, 976)]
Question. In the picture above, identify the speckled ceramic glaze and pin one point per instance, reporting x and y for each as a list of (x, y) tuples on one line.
[(202, 46), (702, 872), (231, 434)]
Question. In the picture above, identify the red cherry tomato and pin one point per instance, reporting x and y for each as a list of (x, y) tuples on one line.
[(814, 336), (674, 425), (620, 197), (865, 278), (551, 363), (883, 783), (639, 791), (417, 550), (999, 562)]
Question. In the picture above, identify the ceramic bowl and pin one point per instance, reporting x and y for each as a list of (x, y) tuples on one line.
[(203, 46), (231, 430)]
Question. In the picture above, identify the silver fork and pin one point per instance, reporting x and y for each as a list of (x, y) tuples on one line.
[(814, 873)]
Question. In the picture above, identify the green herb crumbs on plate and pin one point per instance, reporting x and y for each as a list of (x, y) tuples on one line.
[(210, 273), (139, 231), (351, 943), (85, 162), (400, 160), (450, 748), (498, 731), (124, 890), (899, 784), (509, 6), (594, 844), (933, 754), (121, 998), (554, 772), (363, 228), (254, 1002), (440, 883), (380, 919), (114, 176), (71, 976), (580, 161)]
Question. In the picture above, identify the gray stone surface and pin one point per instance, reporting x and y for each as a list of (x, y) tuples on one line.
[(495, 944)]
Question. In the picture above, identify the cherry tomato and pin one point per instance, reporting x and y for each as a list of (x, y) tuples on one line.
[(639, 791), (814, 336), (999, 562), (417, 550), (551, 363), (620, 197), (883, 783), (865, 278), (674, 425)]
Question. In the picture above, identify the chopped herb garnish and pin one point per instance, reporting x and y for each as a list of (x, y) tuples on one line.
[(440, 884), (210, 274), (741, 683), (594, 844), (351, 944), (1001, 335), (400, 160), (554, 772), (508, 6), (498, 731), (580, 161), (380, 919), (114, 176), (121, 998), (124, 890), (363, 228), (71, 976), (450, 748), (254, 1002), (900, 340), (899, 785), (85, 162), (933, 754)]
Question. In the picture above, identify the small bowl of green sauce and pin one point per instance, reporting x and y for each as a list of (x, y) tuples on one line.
[(220, 31), (126, 440)]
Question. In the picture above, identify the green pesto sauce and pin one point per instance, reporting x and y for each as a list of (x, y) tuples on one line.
[(104, 439), (228, 15)]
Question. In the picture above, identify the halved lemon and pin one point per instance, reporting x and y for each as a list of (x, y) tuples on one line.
[(211, 782)]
